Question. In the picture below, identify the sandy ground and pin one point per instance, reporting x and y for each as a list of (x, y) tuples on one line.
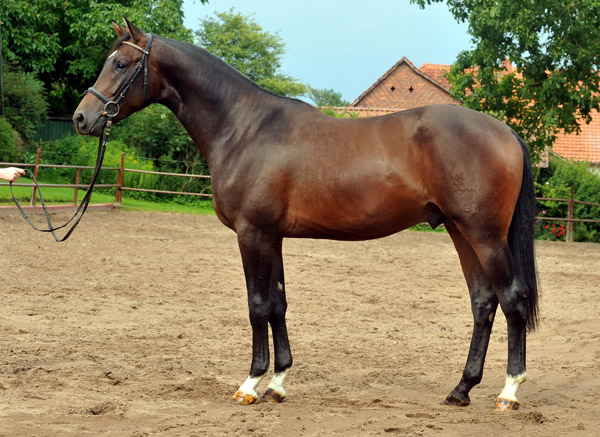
[(138, 326)]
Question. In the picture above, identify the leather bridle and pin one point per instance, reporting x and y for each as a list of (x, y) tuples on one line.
[(111, 109), (124, 88)]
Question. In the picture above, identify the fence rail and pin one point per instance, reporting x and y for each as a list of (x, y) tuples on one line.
[(570, 219), (120, 187)]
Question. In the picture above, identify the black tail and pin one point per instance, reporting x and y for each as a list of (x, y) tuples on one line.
[(521, 238)]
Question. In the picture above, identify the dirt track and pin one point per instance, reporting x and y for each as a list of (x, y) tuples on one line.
[(137, 325)]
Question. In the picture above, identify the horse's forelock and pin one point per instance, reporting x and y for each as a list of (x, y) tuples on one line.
[(117, 44)]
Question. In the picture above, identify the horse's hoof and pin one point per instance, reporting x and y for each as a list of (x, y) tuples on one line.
[(273, 396), (506, 405), (244, 398), (455, 401)]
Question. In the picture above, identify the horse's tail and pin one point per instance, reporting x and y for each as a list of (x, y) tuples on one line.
[(521, 238)]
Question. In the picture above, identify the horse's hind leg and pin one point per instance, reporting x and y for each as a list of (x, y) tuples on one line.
[(483, 305), (499, 267), (281, 345)]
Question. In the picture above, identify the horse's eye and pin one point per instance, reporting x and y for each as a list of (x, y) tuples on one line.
[(121, 66)]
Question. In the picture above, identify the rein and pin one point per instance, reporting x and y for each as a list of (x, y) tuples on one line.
[(111, 109)]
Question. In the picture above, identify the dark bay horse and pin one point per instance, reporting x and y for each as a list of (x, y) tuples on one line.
[(280, 168)]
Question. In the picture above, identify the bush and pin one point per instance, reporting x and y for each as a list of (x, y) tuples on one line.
[(112, 158), (8, 146), (555, 182), (156, 134), (25, 105)]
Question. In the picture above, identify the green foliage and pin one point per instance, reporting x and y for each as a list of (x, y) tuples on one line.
[(244, 45), (157, 135), (8, 149), (554, 45), (338, 114), (64, 42), (24, 103), (326, 97), (112, 158), (82, 150), (61, 152), (555, 182)]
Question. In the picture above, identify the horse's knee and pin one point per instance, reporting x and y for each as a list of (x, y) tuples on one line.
[(259, 309)]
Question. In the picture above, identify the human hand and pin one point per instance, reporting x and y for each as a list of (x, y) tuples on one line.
[(11, 174)]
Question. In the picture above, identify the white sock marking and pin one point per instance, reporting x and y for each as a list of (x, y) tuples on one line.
[(250, 384), (276, 383), (511, 386)]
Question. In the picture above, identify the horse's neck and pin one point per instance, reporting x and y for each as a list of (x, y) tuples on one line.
[(214, 103)]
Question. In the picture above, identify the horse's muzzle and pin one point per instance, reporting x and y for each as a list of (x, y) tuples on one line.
[(88, 125)]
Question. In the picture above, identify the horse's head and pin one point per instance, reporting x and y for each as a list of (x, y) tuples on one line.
[(123, 85)]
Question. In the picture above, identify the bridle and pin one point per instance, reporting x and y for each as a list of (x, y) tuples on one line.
[(124, 88), (111, 109)]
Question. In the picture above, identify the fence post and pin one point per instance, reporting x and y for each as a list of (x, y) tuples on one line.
[(35, 174), (119, 192), (76, 188), (570, 217)]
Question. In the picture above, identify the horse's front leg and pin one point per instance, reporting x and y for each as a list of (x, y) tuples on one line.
[(257, 253), (281, 345)]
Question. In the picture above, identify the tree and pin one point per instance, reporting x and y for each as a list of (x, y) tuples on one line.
[(64, 42), (326, 97), (244, 45), (554, 45), (25, 106)]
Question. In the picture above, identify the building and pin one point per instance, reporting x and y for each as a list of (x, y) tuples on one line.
[(405, 86)]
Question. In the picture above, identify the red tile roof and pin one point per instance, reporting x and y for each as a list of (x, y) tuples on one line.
[(582, 147), (436, 72)]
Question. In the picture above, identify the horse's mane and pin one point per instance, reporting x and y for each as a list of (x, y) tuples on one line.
[(204, 56)]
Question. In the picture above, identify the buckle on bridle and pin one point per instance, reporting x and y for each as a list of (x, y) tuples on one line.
[(111, 105)]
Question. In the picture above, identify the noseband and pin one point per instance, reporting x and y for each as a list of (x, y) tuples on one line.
[(111, 107)]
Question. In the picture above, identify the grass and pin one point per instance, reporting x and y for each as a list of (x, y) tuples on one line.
[(54, 196)]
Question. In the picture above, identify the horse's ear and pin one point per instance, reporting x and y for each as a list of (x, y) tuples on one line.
[(135, 33), (120, 30)]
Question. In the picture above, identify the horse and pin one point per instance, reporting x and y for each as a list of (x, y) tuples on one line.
[(280, 168)]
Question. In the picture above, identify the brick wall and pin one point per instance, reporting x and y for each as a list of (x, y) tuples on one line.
[(403, 89)]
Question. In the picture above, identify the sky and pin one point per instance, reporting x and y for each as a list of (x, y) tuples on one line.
[(346, 45)]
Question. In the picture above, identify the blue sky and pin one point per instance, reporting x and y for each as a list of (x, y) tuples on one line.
[(348, 44)]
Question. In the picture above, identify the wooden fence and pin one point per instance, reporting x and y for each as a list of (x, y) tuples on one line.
[(120, 187), (570, 219)]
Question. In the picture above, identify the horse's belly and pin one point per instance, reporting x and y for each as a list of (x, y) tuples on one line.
[(353, 220)]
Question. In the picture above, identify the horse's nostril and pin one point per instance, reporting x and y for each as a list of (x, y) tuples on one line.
[(80, 118)]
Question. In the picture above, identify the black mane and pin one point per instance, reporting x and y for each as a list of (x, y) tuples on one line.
[(205, 57)]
